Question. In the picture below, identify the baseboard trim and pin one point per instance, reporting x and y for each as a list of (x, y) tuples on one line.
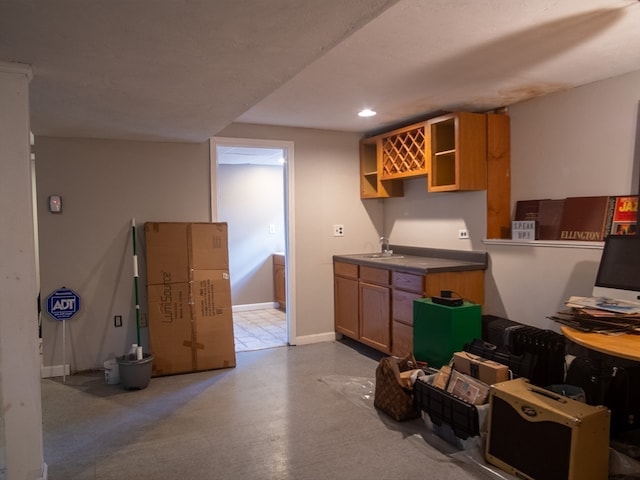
[(254, 306), (54, 371), (316, 338)]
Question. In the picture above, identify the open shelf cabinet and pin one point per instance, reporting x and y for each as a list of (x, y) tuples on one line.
[(371, 183), (458, 152)]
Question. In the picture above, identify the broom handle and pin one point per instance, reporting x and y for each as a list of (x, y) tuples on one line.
[(135, 279)]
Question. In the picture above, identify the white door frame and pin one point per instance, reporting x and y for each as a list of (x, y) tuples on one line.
[(287, 147)]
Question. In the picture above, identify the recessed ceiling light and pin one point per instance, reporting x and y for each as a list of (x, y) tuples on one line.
[(367, 112)]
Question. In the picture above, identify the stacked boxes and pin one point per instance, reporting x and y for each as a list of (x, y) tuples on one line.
[(189, 297)]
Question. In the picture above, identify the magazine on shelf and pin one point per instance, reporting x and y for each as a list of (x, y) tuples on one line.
[(624, 215)]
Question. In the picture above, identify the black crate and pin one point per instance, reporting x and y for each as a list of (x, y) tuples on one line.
[(443, 407)]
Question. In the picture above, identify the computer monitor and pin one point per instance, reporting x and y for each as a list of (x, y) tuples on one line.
[(619, 271)]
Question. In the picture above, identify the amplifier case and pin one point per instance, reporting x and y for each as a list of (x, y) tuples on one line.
[(536, 434)]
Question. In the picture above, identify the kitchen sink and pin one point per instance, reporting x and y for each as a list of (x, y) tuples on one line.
[(383, 256)]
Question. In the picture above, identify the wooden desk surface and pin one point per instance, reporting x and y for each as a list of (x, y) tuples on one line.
[(624, 346)]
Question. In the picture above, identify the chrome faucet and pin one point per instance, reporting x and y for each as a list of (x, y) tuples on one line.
[(384, 242)]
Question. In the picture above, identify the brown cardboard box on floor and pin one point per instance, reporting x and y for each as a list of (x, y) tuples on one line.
[(189, 297), (487, 371)]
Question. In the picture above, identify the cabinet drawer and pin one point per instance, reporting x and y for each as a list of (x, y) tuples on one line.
[(402, 339), (345, 269), (408, 281), (403, 306), (374, 275)]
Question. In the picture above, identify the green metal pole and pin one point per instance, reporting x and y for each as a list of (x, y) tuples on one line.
[(135, 279)]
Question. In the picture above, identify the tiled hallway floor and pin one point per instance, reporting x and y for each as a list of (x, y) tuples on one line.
[(256, 329)]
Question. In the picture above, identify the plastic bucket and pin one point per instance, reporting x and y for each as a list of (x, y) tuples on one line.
[(111, 372), (135, 374)]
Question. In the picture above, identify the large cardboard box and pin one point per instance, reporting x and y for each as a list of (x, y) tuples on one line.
[(189, 297)]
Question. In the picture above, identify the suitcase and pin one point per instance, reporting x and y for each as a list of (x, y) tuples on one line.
[(536, 434), (613, 384)]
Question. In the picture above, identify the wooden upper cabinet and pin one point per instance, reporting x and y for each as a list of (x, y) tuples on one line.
[(458, 152), (405, 152), (371, 183)]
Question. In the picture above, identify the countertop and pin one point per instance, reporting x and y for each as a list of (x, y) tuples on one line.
[(420, 260)]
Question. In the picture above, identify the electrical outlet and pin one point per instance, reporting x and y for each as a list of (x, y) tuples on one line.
[(117, 321), (272, 228), (338, 230), (463, 233)]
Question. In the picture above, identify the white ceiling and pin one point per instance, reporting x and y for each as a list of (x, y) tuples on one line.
[(182, 70)]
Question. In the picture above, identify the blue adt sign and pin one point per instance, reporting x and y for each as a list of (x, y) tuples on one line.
[(63, 304)]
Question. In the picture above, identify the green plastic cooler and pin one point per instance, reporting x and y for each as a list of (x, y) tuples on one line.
[(439, 331)]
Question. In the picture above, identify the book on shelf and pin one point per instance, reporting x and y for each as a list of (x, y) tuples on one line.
[(526, 210), (585, 218), (624, 215), (549, 218)]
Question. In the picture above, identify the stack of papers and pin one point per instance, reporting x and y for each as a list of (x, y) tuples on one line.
[(605, 304), (601, 315)]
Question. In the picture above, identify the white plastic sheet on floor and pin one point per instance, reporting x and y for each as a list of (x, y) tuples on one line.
[(361, 390)]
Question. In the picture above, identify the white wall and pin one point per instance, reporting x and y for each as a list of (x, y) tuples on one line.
[(580, 142), (576, 143), (104, 184), (423, 219), (250, 199), (326, 192)]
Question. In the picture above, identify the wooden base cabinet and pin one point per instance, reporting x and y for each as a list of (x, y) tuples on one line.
[(362, 304), (279, 282), (375, 303), (375, 306), (345, 299)]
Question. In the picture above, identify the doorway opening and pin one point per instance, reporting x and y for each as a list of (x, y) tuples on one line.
[(251, 181)]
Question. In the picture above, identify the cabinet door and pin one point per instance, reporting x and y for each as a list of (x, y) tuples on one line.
[(346, 306), (403, 306), (402, 335), (375, 325), (279, 284)]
